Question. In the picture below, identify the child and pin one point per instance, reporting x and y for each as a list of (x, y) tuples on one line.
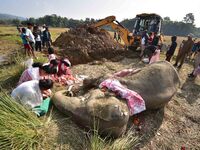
[(51, 55), (38, 42), (172, 49), (27, 47)]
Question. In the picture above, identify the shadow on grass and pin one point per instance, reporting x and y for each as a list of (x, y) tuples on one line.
[(191, 90), (69, 135)]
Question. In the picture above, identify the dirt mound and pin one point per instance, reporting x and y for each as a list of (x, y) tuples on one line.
[(85, 44)]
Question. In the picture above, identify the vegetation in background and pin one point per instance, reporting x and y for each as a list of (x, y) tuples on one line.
[(179, 28)]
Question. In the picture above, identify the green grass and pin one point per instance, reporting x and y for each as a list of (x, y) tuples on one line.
[(128, 141), (9, 75), (8, 30), (11, 38), (20, 128)]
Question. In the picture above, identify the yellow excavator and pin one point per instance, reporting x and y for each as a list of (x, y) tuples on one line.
[(144, 22)]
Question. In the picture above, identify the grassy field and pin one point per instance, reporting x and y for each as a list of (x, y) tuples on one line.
[(175, 126)]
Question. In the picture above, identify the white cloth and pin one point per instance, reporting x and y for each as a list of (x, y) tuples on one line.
[(52, 57), (38, 38), (28, 94), (30, 35), (28, 63), (34, 73), (143, 41)]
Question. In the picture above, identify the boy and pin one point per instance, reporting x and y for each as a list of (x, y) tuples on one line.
[(27, 47), (37, 35), (172, 49)]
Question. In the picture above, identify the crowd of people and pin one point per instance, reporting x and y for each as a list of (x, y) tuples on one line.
[(187, 49), (152, 43), (150, 46), (34, 87), (34, 38)]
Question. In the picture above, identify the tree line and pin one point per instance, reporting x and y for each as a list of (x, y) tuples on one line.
[(169, 27)]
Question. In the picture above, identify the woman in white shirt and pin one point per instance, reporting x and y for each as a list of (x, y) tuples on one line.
[(29, 94)]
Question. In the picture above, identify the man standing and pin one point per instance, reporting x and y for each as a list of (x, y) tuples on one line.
[(184, 51), (172, 49), (46, 37), (30, 36)]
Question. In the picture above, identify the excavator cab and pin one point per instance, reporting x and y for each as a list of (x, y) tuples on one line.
[(147, 22)]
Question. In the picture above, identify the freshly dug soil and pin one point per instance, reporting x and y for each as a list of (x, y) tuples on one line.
[(85, 44)]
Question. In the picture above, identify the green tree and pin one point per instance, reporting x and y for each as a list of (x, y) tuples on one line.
[(16, 22), (129, 24), (167, 19), (32, 20), (189, 18)]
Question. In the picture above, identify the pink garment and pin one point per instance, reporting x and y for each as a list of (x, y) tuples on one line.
[(155, 57), (123, 73), (63, 79), (25, 77), (135, 102)]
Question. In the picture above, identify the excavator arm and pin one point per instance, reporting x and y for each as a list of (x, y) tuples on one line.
[(115, 25), (104, 21)]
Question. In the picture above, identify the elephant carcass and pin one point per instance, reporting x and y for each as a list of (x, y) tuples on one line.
[(156, 83), (97, 109)]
